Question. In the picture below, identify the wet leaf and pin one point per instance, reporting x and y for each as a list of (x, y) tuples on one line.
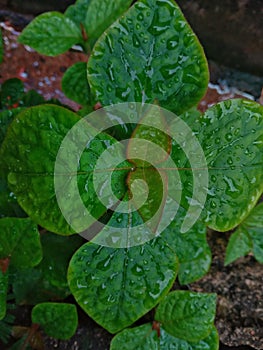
[(156, 57), (6, 118), (231, 136), (141, 338), (117, 286), (12, 91), (29, 153), (96, 16), (20, 241), (191, 248), (145, 338), (247, 238), (187, 315), (58, 320), (51, 34), (149, 144), (48, 280), (3, 293), (75, 83)]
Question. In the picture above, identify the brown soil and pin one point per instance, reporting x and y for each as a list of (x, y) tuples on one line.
[(239, 286)]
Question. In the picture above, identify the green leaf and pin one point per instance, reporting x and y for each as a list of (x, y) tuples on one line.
[(117, 286), (3, 293), (145, 338), (231, 134), (75, 83), (248, 237), (48, 280), (29, 154), (32, 98), (12, 91), (6, 118), (191, 248), (96, 16), (140, 338), (156, 57), (19, 240), (51, 34), (58, 320), (187, 315), (1, 47), (239, 245)]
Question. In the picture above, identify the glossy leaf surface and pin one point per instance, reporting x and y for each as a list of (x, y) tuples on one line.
[(145, 338), (187, 315), (20, 240), (48, 280), (95, 16), (191, 248), (30, 165), (248, 237), (58, 320), (75, 83), (117, 286), (231, 134), (156, 56), (51, 34)]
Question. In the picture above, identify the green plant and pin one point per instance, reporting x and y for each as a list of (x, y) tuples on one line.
[(148, 56)]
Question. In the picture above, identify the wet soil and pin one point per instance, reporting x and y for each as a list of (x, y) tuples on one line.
[(239, 286)]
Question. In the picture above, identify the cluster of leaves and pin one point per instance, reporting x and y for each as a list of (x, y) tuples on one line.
[(148, 54)]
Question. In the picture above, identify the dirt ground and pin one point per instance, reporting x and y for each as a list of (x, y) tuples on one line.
[(239, 286)]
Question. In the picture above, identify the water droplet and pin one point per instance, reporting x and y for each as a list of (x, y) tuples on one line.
[(229, 161), (228, 136), (213, 178), (217, 140), (140, 17)]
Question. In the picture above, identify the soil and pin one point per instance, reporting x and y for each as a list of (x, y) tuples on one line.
[(238, 286)]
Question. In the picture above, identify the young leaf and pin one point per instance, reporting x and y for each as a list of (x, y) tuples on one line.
[(156, 56), (12, 91), (248, 237), (19, 240), (187, 315), (117, 286), (58, 320), (96, 16), (3, 293), (239, 245), (145, 337), (51, 34), (29, 153), (75, 83), (48, 280), (231, 134), (141, 338), (32, 98)]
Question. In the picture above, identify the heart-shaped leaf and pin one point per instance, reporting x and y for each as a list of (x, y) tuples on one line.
[(58, 320), (156, 56), (47, 280), (29, 153), (117, 286), (75, 83), (248, 237), (145, 337), (231, 135), (20, 241), (96, 16), (51, 34), (187, 315), (3, 293)]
